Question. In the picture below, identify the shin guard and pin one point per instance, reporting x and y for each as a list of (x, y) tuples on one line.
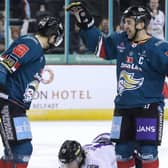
[(126, 164), (150, 164)]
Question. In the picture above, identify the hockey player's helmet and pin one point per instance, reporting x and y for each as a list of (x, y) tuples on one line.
[(49, 26), (139, 13), (69, 152)]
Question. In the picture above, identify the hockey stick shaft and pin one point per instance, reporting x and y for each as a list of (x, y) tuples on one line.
[(5, 142), (7, 146), (5, 97)]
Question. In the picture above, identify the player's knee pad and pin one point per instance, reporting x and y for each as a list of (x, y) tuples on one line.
[(124, 151), (148, 152), (22, 151)]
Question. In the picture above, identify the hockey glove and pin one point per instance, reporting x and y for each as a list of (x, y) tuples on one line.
[(30, 91), (82, 15)]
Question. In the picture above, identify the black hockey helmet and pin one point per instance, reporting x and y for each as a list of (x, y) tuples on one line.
[(49, 26), (71, 150), (139, 13)]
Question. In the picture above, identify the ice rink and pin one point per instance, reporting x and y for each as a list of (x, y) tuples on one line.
[(48, 136)]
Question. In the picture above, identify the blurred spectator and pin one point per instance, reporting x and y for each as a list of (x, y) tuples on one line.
[(156, 27), (104, 26), (27, 16), (55, 6), (20, 9), (116, 15), (27, 11), (2, 33), (15, 32), (42, 12)]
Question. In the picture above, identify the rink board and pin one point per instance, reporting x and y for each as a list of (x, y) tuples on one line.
[(76, 92), (91, 114)]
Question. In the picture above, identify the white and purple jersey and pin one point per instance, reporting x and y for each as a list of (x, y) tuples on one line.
[(99, 155), (157, 25)]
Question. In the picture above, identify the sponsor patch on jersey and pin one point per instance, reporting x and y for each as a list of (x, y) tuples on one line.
[(129, 59), (9, 61), (20, 50), (146, 129)]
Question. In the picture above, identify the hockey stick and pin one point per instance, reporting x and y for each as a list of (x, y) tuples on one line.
[(5, 97), (6, 143), (7, 146)]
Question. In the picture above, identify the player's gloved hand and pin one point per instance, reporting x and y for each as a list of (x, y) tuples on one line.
[(28, 95), (30, 91), (82, 15)]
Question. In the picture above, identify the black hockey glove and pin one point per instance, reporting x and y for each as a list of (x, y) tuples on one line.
[(82, 15)]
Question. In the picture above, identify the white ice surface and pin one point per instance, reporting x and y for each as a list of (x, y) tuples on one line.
[(48, 136)]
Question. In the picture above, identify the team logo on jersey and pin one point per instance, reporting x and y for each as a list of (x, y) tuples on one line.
[(128, 82), (20, 50)]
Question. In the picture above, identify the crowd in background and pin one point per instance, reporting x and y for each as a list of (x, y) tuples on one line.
[(26, 13)]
